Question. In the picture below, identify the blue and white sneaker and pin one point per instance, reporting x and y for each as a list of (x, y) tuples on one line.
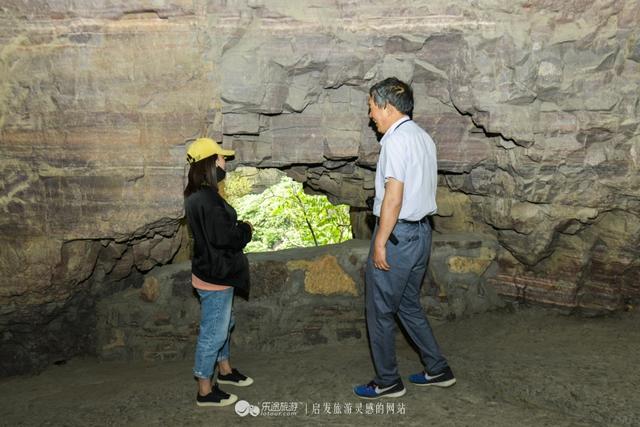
[(375, 391), (443, 378)]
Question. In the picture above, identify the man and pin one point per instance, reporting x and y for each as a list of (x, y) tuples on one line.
[(406, 181)]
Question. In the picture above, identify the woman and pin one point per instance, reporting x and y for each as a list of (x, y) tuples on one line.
[(218, 267)]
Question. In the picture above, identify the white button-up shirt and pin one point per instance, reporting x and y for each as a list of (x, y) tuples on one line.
[(408, 155)]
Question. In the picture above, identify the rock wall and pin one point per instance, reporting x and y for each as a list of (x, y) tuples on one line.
[(533, 105), (299, 298)]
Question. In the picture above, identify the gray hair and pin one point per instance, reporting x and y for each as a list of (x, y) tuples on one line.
[(395, 92)]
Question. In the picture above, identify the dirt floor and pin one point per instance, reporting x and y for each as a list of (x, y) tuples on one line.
[(527, 368)]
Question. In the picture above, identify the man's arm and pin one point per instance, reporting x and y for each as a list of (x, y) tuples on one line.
[(389, 212)]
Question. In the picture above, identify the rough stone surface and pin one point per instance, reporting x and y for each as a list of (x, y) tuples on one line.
[(324, 276), (150, 291), (533, 105), (299, 298), (159, 329)]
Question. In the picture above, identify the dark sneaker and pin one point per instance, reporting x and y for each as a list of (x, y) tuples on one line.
[(444, 378), (235, 378), (217, 397), (375, 391)]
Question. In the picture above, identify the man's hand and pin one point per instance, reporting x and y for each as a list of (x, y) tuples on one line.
[(380, 258), (389, 211)]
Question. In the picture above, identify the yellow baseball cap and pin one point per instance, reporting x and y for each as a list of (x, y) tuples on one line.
[(202, 148)]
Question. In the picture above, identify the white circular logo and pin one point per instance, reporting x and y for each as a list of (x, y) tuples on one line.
[(255, 410), (242, 408)]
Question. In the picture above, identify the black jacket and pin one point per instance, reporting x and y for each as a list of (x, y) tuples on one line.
[(218, 239)]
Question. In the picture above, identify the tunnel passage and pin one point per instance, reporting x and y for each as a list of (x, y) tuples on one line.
[(536, 121)]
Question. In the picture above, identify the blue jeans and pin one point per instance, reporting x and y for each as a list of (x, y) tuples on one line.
[(216, 322), (397, 293)]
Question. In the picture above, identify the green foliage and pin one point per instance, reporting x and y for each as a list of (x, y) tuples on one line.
[(235, 187), (284, 216)]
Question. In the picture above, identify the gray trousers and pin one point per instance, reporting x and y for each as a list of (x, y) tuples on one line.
[(397, 292)]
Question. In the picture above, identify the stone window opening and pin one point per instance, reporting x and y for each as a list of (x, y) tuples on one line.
[(283, 215)]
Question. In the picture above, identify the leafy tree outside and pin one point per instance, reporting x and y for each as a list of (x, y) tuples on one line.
[(284, 216)]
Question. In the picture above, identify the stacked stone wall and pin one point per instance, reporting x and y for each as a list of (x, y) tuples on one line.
[(299, 298)]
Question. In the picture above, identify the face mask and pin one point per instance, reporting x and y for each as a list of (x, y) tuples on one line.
[(220, 173)]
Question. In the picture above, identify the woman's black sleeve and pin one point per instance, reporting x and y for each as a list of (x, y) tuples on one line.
[(228, 233)]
